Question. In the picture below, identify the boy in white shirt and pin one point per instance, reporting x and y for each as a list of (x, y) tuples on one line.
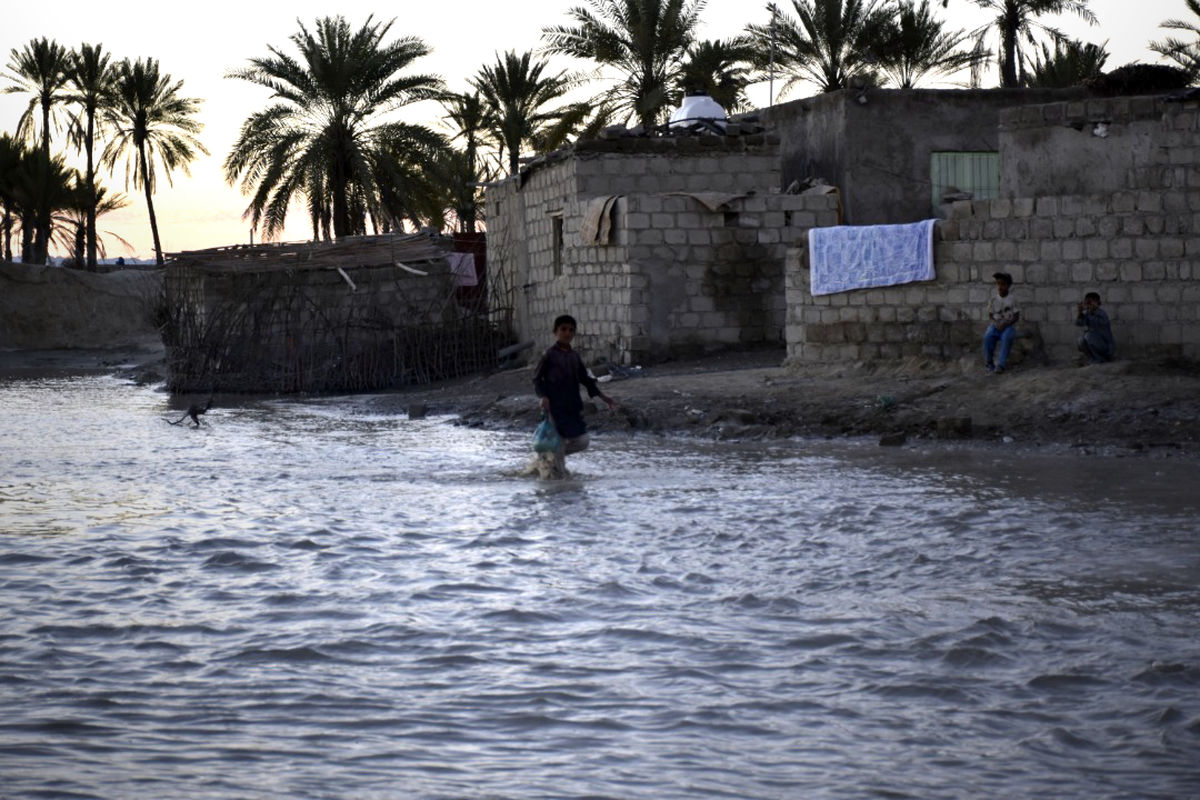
[(1002, 314)]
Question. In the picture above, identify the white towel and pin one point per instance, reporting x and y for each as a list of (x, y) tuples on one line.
[(462, 267), (849, 257)]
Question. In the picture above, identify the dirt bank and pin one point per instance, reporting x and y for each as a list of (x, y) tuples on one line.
[(1151, 409), (47, 308)]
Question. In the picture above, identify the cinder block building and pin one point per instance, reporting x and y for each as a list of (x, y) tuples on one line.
[(661, 246), (1097, 195), (686, 244)]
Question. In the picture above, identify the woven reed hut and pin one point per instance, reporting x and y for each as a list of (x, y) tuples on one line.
[(359, 314)]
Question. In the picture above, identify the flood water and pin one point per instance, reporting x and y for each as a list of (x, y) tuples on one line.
[(318, 599)]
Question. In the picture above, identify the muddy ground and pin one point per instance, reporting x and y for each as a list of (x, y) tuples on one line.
[(1122, 407)]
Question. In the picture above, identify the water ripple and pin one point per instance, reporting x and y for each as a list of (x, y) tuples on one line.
[(249, 611)]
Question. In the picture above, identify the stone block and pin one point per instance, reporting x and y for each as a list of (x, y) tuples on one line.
[(1023, 207), (1070, 205), (983, 251), (1041, 228), (1050, 251), (1006, 250), (1170, 247), (1016, 229), (1096, 248), (1146, 248)]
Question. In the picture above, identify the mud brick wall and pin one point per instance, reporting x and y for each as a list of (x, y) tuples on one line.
[(1138, 246)]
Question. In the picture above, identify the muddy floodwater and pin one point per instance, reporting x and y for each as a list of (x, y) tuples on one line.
[(318, 599)]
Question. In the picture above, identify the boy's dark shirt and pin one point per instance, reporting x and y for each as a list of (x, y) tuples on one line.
[(558, 377)]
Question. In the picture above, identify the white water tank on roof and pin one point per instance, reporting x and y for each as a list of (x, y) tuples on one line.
[(698, 108)]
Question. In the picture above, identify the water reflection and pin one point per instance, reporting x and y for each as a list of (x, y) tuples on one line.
[(317, 599)]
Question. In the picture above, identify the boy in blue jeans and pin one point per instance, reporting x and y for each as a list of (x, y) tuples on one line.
[(1003, 315)]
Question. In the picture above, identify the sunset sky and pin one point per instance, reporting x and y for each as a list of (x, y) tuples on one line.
[(199, 44)]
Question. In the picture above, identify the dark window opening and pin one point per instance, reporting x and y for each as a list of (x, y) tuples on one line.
[(557, 222)]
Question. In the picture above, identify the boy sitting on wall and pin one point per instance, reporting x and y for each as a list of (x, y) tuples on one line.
[(1097, 343), (1003, 315)]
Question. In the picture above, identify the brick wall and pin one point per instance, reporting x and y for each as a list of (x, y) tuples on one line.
[(1138, 247), (676, 278)]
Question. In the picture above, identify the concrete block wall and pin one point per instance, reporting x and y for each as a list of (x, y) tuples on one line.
[(675, 278), (593, 284), (1139, 247), (1086, 146), (706, 280), (715, 167)]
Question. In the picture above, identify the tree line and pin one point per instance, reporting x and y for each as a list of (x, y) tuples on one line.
[(330, 138), (137, 112)]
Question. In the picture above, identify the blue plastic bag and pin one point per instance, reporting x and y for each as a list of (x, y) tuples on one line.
[(545, 436)]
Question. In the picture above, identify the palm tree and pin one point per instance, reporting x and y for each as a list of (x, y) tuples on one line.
[(516, 91), (324, 137), (41, 70), (827, 44), (11, 153), (405, 168), (1183, 52), (1070, 64), (41, 186), (91, 78), (150, 122), (721, 69), (86, 201), (908, 43), (643, 40), (460, 172), (1016, 21)]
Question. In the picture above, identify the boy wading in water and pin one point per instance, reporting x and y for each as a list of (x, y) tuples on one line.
[(556, 381)]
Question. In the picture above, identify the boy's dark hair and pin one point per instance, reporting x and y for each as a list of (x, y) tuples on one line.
[(1002, 276), (1091, 295), (564, 319)]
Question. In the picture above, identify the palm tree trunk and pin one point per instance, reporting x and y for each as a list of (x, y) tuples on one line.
[(7, 233), (341, 203), (158, 256), (91, 188), (28, 223), (41, 239), (1008, 43)]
